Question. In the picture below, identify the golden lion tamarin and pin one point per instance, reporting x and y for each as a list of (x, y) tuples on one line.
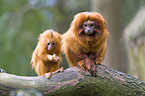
[(46, 56), (84, 43)]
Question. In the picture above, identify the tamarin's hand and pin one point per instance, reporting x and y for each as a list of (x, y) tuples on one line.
[(84, 43), (53, 58)]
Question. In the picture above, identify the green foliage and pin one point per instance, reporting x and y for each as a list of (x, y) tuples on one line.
[(130, 7), (134, 36)]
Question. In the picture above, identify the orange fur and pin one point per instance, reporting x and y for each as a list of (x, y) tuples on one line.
[(74, 44), (40, 61)]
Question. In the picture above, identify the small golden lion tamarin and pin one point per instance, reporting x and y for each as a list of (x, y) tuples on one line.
[(46, 56), (84, 43)]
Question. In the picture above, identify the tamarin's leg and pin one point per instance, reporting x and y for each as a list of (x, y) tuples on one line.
[(40, 68), (48, 75)]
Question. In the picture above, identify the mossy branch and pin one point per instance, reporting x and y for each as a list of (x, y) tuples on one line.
[(76, 82)]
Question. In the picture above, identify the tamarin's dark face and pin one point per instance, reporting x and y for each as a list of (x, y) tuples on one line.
[(50, 45), (89, 27)]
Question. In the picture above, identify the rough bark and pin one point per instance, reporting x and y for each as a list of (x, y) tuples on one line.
[(76, 82)]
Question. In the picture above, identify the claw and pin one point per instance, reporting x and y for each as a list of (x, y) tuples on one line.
[(48, 75), (61, 69), (57, 71), (98, 60), (81, 64)]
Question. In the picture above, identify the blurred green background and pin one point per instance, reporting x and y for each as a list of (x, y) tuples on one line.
[(21, 22)]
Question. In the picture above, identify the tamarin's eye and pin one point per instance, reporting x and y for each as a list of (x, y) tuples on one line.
[(85, 25), (48, 43), (92, 25), (53, 43)]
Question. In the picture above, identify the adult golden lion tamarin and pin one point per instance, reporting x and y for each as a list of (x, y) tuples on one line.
[(46, 56), (84, 43)]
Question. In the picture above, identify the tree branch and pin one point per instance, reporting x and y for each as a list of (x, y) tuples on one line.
[(76, 82)]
